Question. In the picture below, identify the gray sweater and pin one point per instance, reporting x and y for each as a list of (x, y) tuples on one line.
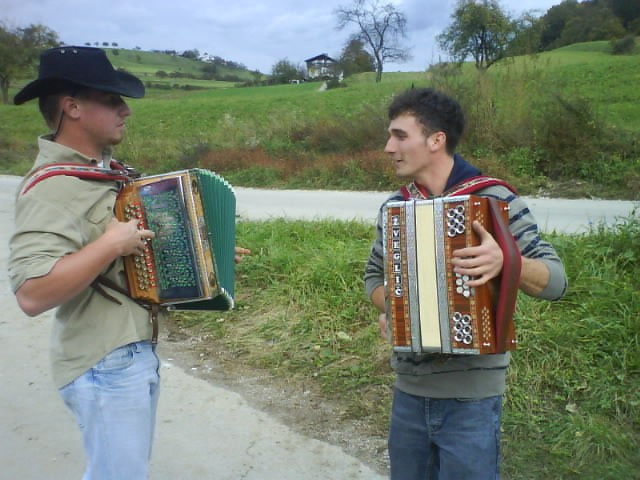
[(468, 376)]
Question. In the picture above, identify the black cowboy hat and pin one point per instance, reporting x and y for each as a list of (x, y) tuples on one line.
[(88, 67)]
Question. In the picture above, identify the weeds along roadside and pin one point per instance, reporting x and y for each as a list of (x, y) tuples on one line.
[(572, 409), (519, 130)]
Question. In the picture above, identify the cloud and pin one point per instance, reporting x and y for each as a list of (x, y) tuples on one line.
[(252, 32)]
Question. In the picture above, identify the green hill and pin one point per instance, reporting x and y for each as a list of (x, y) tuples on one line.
[(565, 122), (177, 71), (609, 82)]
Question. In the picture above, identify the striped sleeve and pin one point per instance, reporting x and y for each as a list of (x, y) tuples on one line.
[(523, 227), (525, 230)]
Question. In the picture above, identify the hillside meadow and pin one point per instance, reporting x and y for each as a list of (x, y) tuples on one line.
[(564, 123)]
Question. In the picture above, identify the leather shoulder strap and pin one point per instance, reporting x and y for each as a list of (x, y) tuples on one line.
[(153, 308), (474, 184), (471, 185), (88, 172)]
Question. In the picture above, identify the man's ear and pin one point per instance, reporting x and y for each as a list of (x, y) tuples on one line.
[(70, 106), (437, 141)]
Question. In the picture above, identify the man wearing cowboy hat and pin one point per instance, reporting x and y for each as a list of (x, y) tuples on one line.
[(103, 360)]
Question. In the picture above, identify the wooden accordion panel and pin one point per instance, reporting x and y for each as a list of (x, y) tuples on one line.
[(430, 308), (189, 264)]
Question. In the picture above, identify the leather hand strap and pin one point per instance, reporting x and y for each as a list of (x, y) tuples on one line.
[(154, 308)]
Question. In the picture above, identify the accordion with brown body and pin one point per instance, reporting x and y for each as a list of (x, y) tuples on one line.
[(430, 308), (189, 264)]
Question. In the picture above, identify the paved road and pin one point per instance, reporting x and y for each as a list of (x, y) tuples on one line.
[(204, 431), (560, 215)]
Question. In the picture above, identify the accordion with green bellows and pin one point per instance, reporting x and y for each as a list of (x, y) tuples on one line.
[(189, 264)]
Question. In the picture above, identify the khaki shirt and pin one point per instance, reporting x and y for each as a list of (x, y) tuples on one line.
[(57, 217)]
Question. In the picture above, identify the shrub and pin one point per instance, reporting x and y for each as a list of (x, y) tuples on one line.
[(335, 83), (624, 46)]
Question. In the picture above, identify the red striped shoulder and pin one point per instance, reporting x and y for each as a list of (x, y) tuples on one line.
[(478, 183), (87, 172)]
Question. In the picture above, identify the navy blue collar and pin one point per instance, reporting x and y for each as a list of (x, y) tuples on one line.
[(461, 171)]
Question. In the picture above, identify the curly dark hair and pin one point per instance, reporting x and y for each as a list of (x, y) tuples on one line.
[(434, 110)]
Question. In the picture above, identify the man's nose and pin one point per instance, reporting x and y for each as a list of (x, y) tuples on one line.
[(389, 146)]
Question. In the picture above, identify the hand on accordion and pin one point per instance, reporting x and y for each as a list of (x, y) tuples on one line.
[(127, 238), (482, 262), (240, 253)]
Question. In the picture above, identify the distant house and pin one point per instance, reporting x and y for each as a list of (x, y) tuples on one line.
[(322, 66)]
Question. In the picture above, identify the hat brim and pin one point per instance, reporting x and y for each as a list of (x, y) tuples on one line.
[(125, 84)]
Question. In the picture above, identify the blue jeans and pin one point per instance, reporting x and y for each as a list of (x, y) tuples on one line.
[(114, 404), (444, 439)]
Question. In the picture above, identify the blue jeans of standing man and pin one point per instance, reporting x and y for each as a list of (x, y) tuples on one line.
[(114, 404), (444, 439)]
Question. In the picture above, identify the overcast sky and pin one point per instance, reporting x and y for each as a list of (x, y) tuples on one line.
[(256, 33)]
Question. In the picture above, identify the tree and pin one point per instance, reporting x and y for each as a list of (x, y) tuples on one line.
[(628, 11), (480, 30), (554, 22), (355, 59), (192, 54), (572, 22), (19, 50), (592, 22), (381, 26), (528, 32), (283, 71), (209, 71)]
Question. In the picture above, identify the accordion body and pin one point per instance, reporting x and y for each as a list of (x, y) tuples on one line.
[(189, 264), (430, 308)]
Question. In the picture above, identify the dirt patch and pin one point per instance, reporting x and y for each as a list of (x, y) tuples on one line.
[(296, 403)]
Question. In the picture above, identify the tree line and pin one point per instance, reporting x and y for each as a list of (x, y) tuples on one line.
[(480, 30), (484, 32)]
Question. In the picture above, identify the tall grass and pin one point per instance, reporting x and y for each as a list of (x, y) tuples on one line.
[(542, 120), (572, 408), (574, 396)]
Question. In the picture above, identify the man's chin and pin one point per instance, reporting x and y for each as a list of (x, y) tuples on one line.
[(403, 176), (117, 140)]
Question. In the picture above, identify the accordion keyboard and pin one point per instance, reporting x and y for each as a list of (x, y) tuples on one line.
[(432, 308), (146, 275)]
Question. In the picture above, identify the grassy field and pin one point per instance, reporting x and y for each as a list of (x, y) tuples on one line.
[(569, 117), (572, 408), (607, 81)]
